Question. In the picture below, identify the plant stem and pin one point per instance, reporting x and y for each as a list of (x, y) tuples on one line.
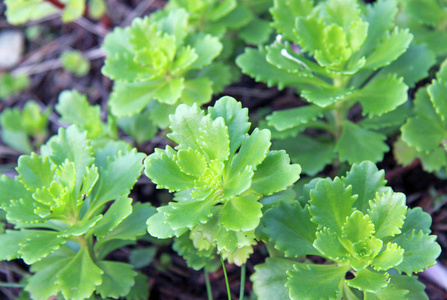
[(11, 285), (226, 278), (209, 291), (241, 291)]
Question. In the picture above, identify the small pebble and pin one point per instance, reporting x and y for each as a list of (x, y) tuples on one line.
[(11, 48)]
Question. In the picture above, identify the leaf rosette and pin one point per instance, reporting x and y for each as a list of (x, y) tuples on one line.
[(219, 172), (358, 224), (157, 61), (339, 56), (56, 205), (424, 135)]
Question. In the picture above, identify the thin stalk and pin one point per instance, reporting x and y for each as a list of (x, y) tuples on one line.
[(209, 291), (11, 285), (241, 291), (226, 278)]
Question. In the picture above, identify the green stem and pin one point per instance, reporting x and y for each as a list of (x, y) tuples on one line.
[(241, 292), (226, 278), (209, 291), (11, 285)]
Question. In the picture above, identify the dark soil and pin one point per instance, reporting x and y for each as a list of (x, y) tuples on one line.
[(170, 278)]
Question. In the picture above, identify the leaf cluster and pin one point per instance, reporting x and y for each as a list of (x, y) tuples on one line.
[(424, 135), (56, 205), (339, 55), (358, 224), (219, 173), (22, 11), (155, 61), (11, 85), (426, 21), (73, 62), (26, 129)]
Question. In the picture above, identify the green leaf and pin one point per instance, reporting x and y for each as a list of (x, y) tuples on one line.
[(241, 213), (256, 32), (253, 63), (117, 280), (194, 259), (169, 91), (307, 281), (198, 90), (369, 281), (275, 173), (310, 33), (80, 277), (389, 49), (11, 241), (73, 10), (420, 252), (286, 119), (410, 283), (120, 209), (366, 180), (237, 183), (289, 227), (163, 170), (357, 144), (72, 144), (424, 134), (40, 245), (285, 13), (35, 172), (119, 176), (325, 96), (270, 277), (189, 214), (380, 18), (388, 211), (331, 202), (382, 95), (191, 162), (80, 228), (75, 109), (140, 289), (252, 152), (157, 225), (390, 257), (22, 11), (418, 220), (312, 154), (357, 227), (329, 246), (134, 225), (236, 119), (207, 48), (437, 91), (191, 129), (42, 285), (128, 99), (413, 65), (139, 127)]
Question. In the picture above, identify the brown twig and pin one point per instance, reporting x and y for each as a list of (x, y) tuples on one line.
[(399, 171)]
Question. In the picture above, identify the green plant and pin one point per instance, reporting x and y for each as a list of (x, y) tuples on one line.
[(337, 54), (156, 62), (361, 227), (22, 11), (73, 62), (424, 135), (56, 205), (11, 85), (74, 108), (426, 20), (219, 173), (26, 129)]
